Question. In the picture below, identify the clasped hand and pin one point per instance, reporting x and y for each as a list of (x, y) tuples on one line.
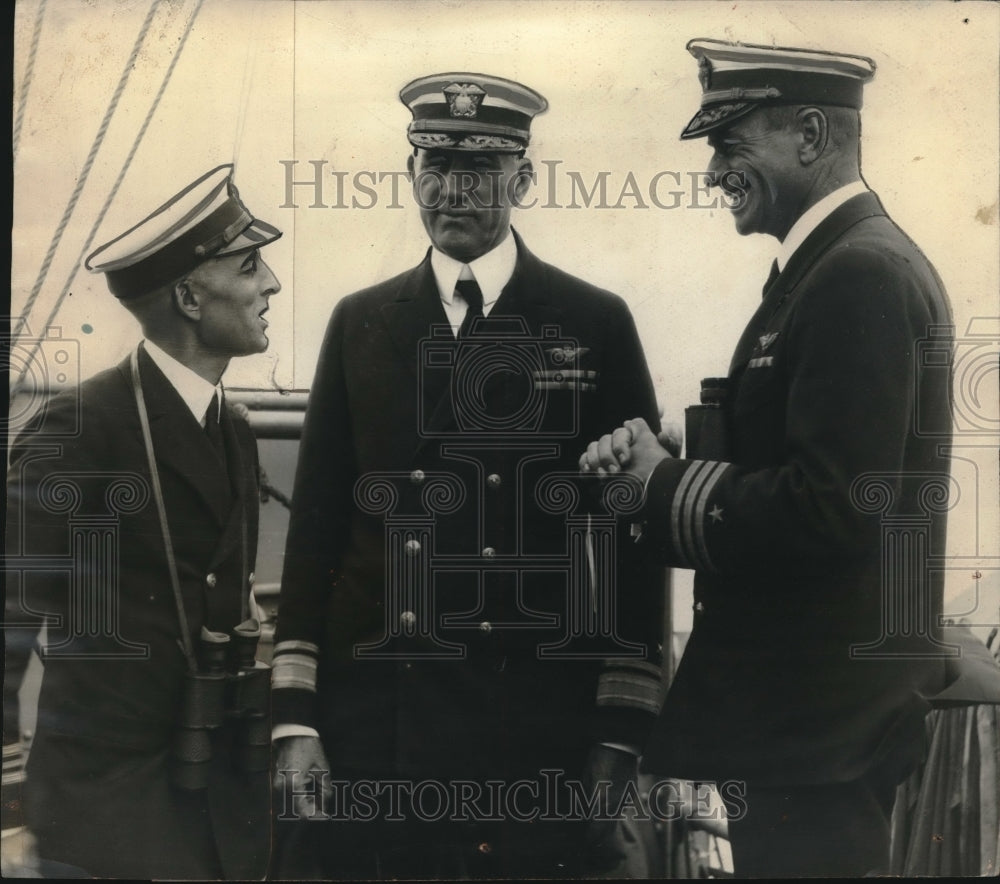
[(633, 448)]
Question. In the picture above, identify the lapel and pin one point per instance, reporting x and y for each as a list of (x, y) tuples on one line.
[(412, 316), (414, 310), (179, 442), (232, 531), (527, 295), (834, 226)]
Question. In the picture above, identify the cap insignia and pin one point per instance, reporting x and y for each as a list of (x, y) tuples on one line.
[(464, 99), (705, 73)]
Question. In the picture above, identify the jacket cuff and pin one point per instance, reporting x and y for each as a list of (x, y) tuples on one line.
[(629, 696), (13, 782), (677, 497), (293, 683)]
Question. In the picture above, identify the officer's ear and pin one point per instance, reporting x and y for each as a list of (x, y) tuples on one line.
[(813, 131), (410, 162), (524, 177), (186, 300)]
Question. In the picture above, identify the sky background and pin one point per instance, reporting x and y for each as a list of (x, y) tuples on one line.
[(267, 83)]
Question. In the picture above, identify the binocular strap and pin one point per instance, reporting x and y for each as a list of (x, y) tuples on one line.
[(161, 509)]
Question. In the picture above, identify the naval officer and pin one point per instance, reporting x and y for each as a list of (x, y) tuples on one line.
[(153, 480), (799, 691), (431, 657)]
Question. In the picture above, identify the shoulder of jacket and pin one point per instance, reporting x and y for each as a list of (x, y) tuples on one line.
[(582, 294), (381, 292)]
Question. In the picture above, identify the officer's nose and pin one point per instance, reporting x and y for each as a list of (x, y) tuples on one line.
[(430, 187), (716, 166), (457, 186), (270, 281)]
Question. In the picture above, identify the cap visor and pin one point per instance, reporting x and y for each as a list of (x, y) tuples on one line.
[(715, 117), (257, 235), (466, 141)]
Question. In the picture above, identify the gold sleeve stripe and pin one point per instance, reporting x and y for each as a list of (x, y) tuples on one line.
[(294, 645), (650, 669), (677, 509), (698, 517), (292, 660), (687, 512), (294, 670), (289, 680), (625, 690)]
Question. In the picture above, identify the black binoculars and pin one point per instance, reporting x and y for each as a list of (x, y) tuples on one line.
[(706, 426), (224, 703)]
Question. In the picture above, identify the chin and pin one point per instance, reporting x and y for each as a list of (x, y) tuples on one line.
[(253, 348), (745, 225), (458, 248)]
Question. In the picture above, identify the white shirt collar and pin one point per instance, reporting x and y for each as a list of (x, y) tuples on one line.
[(492, 270), (192, 387), (814, 216)]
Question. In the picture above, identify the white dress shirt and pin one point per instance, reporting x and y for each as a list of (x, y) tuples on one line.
[(814, 216), (492, 271), (193, 388)]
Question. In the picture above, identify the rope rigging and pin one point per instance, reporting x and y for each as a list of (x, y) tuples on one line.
[(111, 194), (22, 98), (84, 174)]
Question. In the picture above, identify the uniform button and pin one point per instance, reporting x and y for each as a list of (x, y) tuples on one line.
[(558, 377), (493, 480), (417, 477), (412, 547), (699, 607), (408, 618), (486, 626), (251, 578), (485, 847), (489, 552), (407, 666), (211, 579)]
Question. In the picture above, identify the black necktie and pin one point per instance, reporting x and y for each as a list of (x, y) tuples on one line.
[(213, 430), (468, 290), (772, 276)]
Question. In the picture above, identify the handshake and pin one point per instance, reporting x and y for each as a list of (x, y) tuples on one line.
[(633, 448)]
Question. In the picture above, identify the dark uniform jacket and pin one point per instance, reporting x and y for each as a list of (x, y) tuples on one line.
[(813, 640), (430, 567), (86, 554)]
